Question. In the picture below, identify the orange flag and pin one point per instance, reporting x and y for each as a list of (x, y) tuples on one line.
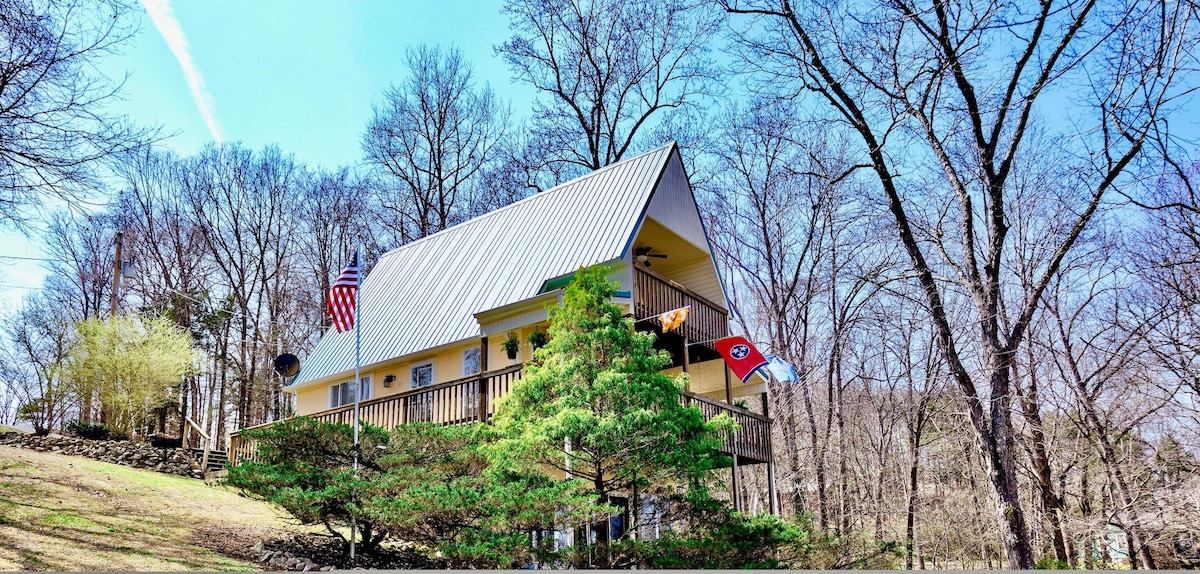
[(674, 318)]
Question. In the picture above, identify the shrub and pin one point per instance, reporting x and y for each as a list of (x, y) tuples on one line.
[(89, 430), (428, 484), (733, 540)]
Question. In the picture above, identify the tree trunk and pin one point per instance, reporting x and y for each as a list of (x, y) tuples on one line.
[(818, 459), (1040, 459), (914, 458)]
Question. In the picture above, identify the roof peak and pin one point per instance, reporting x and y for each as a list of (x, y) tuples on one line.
[(669, 146)]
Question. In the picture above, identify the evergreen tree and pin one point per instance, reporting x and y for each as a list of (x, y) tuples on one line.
[(595, 405)]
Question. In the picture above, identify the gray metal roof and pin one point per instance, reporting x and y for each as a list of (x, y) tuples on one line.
[(425, 294)]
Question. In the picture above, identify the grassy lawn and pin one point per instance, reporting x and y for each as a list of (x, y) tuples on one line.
[(70, 513)]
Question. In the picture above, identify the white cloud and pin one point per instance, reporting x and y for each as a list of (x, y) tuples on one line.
[(164, 20)]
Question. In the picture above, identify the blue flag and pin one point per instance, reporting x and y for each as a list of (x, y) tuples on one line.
[(782, 370)]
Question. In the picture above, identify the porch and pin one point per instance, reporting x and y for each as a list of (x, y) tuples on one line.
[(655, 294), (473, 399)]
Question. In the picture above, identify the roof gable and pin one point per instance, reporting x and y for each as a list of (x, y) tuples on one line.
[(425, 294)]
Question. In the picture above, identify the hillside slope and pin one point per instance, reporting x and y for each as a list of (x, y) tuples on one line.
[(70, 513)]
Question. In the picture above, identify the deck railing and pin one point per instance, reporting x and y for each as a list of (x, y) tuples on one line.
[(654, 295), (459, 402), (751, 442)]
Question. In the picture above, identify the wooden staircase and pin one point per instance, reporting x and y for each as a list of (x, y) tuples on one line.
[(217, 459), (212, 462)]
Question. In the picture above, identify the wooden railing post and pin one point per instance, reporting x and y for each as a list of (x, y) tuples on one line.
[(482, 415)]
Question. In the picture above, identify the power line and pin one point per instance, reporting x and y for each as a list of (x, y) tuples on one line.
[(28, 258)]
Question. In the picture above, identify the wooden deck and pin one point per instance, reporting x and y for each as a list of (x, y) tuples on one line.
[(654, 295), (461, 401)]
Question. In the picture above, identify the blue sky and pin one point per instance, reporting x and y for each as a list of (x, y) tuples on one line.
[(302, 74)]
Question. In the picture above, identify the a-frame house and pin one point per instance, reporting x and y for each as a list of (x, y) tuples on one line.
[(434, 312)]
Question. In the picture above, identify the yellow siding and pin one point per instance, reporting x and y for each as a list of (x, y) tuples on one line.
[(312, 400), (498, 359), (447, 366), (708, 378)]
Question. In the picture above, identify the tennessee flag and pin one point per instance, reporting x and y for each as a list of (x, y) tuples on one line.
[(673, 318), (740, 355)]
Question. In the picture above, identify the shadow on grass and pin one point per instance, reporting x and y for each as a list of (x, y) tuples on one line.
[(52, 521)]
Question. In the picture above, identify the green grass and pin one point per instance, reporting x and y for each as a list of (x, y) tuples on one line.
[(69, 513)]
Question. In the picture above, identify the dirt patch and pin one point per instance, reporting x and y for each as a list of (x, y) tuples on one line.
[(235, 541), (312, 552)]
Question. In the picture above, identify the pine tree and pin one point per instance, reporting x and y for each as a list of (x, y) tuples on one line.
[(595, 405)]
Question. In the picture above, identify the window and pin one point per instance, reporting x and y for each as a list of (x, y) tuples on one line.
[(471, 366), (343, 394), (471, 361), (340, 395), (421, 405), (422, 375)]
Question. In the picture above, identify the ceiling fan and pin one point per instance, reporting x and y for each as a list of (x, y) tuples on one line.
[(643, 254)]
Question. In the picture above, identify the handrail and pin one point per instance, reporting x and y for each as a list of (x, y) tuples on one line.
[(197, 428), (401, 395), (685, 290), (724, 405)]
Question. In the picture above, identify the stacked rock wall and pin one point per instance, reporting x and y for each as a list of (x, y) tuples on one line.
[(138, 455)]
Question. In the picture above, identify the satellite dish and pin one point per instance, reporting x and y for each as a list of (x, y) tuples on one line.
[(287, 365)]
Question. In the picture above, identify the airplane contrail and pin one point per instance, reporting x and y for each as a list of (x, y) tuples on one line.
[(168, 26)]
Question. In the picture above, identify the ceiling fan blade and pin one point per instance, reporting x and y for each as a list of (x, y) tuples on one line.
[(659, 255)]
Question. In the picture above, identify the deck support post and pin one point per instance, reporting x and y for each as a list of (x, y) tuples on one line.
[(686, 358), (483, 367), (772, 495), (735, 492), (728, 388)]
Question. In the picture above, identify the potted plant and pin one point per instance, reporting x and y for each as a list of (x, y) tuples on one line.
[(538, 339), (511, 345)]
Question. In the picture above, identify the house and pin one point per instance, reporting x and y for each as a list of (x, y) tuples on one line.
[(433, 313)]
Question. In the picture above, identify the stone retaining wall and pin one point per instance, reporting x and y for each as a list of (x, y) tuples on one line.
[(138, 455)]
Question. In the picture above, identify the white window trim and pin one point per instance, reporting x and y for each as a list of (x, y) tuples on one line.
[(478, 361), (412, 371), (333, 404), (369, 386)]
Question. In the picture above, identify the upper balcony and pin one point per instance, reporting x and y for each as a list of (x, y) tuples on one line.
[(654, 294)]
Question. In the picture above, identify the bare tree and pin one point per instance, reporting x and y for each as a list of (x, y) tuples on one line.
[(241, 202), (955, 85), (1102, 362), (1170, 262), (81, 255), (53, 129), (38, 337), (609, 69), (332, 216), (434, 135), (168, 248), (768, 227)]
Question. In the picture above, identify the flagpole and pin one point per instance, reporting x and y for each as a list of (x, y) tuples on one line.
[(357, 375)]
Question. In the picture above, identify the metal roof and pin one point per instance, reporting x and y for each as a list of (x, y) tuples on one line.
[(425, 294)]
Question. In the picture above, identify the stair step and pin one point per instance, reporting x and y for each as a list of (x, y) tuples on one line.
[(217, 459)]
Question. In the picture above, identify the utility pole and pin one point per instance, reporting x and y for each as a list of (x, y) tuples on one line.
[(116, 276)]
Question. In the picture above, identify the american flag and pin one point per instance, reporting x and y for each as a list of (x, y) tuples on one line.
[(342, 295)]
